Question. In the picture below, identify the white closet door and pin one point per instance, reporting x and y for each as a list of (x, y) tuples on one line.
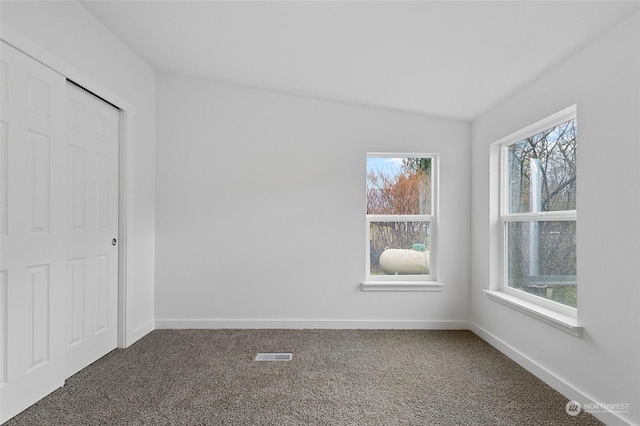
[(92, 223), (33, 263)]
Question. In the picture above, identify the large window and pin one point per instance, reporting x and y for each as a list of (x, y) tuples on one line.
[(401, 217), (538, 214)]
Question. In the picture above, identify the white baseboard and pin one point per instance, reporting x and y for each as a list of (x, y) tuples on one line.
[(139, 333), (310, 324), (569, 391)]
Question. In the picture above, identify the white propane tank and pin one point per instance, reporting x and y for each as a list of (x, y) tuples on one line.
[(405, 261)]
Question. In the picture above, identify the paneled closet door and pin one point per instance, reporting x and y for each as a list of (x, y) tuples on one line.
[(33, 264), (92, 220)]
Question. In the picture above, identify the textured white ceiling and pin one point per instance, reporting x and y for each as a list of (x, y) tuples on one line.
[(453, 59)]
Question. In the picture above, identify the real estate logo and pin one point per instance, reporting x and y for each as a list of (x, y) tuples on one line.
[(573, 408)]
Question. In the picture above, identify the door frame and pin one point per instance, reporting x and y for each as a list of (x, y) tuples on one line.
[(126, 114)]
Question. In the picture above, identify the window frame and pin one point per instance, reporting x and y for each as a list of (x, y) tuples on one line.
[(505, 217), (426, 282)]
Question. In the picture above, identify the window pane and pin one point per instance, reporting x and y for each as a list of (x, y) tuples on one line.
[(542, 259), (542, 171), (399, 248), (398, 185)]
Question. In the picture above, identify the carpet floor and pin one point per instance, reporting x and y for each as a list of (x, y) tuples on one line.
[(336, 377)]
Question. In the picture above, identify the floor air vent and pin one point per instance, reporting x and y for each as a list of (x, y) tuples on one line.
[(274, 357)]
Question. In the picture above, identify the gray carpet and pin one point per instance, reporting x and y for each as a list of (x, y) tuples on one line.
[(336, 377)]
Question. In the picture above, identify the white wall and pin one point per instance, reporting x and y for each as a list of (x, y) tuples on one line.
[(260, 210), (603, 366), (66, 32), (260, 204)]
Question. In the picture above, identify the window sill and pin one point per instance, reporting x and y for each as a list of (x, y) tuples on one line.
[(401, 286), (560, 321)]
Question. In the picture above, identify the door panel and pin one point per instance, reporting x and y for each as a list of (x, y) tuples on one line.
[(92, 150), (32, 262), (3, 329), (58, 216)]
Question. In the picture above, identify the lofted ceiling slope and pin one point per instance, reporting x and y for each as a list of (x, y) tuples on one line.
[(453, 59)]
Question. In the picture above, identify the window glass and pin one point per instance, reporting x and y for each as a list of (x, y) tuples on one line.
[(400, 217), (542, 259), (542, 171), (399, 248), (398, 185), (539, 218)]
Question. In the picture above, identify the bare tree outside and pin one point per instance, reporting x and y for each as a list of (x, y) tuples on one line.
[(542, 178)]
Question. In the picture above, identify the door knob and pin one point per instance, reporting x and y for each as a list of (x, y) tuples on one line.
[(114, 242)]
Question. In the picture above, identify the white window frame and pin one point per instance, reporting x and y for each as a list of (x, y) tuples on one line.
[(406, 282), (554, 313)]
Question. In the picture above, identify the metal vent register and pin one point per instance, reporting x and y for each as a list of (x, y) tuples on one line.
[(274, 357)]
